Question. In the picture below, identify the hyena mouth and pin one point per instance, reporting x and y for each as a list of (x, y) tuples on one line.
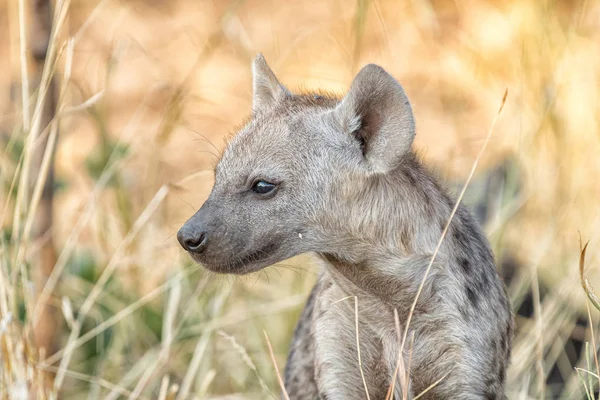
[(250, 262), (259, 255)]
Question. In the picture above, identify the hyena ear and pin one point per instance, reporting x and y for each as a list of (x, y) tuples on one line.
[(377, 113), (266, 88)]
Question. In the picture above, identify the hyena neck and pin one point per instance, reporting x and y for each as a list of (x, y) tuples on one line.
[(390, 249)]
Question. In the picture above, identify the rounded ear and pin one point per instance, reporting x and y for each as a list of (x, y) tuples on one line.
[(378, 114), (265, 87)]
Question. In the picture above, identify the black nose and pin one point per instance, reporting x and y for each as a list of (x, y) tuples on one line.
[(192, 239)]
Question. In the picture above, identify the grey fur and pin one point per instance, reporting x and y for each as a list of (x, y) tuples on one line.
[(350, 190)]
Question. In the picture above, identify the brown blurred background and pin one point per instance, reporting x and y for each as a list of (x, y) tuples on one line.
[(146, 92)]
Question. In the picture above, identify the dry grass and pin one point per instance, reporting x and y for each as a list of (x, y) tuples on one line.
[(148, 90)]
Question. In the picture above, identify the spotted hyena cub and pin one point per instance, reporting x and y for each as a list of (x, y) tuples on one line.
[(337, 177)]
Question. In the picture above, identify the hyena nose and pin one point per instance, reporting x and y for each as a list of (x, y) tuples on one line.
[(193, 240)]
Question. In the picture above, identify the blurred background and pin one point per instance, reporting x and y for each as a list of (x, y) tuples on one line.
[(136, 98)]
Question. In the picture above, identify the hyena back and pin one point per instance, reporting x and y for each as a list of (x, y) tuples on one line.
[(337, 177)]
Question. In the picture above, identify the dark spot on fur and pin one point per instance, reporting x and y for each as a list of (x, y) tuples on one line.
[(411, 179), (405, 239), (461, 238), (466, 221), (428, 202), (465, 264), (490, 395), (501, 374), (472, 296), (490, 385), (483, 283)]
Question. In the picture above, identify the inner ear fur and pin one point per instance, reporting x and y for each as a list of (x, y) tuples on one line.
[(376, 111)]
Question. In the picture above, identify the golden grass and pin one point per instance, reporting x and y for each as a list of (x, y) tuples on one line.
[(139, 79)]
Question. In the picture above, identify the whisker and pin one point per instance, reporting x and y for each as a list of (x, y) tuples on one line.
[(205, 138), (189, 204)]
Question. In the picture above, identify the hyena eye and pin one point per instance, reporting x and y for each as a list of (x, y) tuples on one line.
[(263, 187)]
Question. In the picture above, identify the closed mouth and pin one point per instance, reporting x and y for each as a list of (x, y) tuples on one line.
[(250, 262)]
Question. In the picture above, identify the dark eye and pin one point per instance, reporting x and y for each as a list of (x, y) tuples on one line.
[(263, 187)]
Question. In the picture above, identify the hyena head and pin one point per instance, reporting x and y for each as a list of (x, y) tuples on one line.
[(297, 176)]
